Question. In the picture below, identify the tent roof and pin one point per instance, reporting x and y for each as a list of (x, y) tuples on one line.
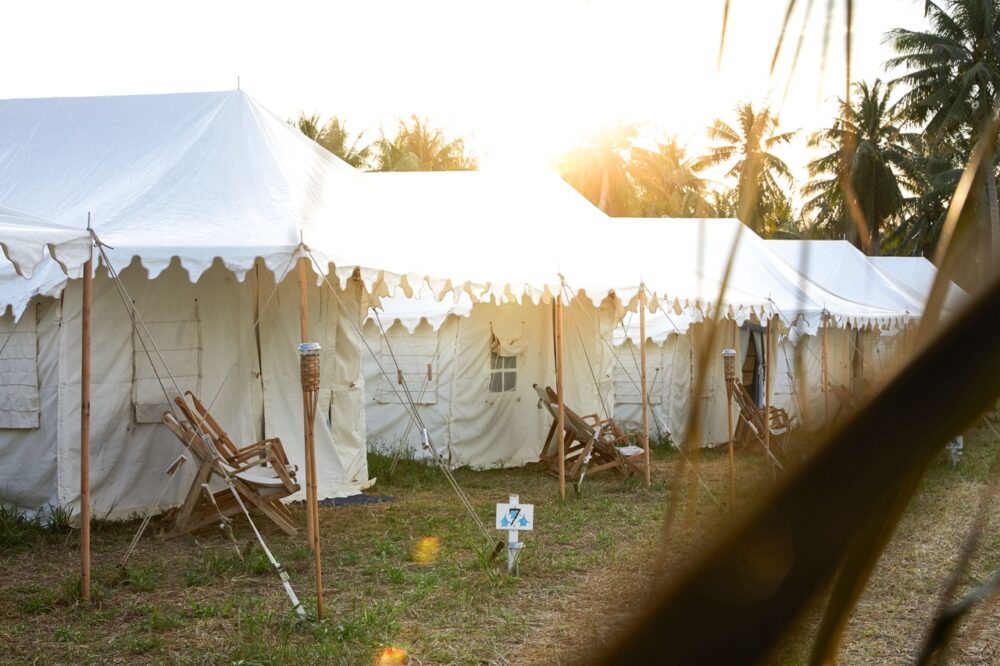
[(915, 276), (206, 176), (24, 239), (492, 234), (685, 261), (197, 176), (844, 270), (411, 311)]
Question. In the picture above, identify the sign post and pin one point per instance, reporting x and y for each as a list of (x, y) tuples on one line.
[(514, 517)]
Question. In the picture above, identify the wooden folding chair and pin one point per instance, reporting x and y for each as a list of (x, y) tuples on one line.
[(591, 445), (204, 422), (259, 473), (752, 421)]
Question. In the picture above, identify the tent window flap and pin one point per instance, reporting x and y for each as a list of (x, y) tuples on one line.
[(174, 352), (628, 387), (19, 404), (416, 358)]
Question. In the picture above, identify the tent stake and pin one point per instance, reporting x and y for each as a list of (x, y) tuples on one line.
[(642, 363), (561, 420), (88, 278)]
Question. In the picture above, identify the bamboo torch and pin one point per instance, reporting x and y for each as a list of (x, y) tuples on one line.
[(309, 373)]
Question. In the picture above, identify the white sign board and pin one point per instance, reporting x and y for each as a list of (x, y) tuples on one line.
[(515, 516)]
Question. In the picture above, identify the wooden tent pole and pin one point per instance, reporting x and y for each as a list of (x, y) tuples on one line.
[(729, 357), (561, 414), (767, 385), (825, 372), (88, 281), (642, 361), (311, 535)]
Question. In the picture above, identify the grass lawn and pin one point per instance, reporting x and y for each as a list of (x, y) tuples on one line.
[(584, 570)]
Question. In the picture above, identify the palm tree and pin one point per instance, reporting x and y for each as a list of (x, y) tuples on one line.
[(334, 137), (598, 168), (758, 172), (952, 81), (417, 146), (930, 175), (867, 147), (666, 182)]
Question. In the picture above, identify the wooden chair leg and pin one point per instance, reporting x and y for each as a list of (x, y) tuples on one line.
[(193, 495), (575, 470), (266, 507)]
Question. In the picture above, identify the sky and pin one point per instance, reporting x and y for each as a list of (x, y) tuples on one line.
[(521, 80)]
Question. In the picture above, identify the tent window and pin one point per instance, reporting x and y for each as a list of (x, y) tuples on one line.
[(176, 333), (19, 404), (503, 373), (416, 356), (628, 388)]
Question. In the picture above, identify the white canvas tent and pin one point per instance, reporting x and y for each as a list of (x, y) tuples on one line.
[(861, 352), (761, 285), (205, 198), (471, 362)]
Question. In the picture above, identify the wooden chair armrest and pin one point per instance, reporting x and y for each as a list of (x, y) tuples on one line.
[(256, 452), (282, 471), (278, 448)]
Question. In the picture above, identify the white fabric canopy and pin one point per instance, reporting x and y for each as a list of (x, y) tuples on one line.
[(197, 176), (422, 307), (495, 235), (207, 176), (915, 276), (844, 270), (24, 239), (684, 260)]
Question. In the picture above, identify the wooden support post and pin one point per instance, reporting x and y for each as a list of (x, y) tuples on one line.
[(561, 420), (88, 282), (825, 372), (642, 363), (729, 357), (767, 385)]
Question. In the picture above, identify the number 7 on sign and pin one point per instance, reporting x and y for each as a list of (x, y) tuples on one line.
[(515, 517)]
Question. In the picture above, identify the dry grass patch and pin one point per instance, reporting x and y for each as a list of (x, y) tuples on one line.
[(585, 572)]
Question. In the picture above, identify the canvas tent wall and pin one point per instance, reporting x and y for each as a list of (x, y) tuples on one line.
[(471, 369), (206, 198)]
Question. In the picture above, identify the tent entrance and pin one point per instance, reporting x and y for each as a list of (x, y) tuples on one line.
[(753, 364)]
